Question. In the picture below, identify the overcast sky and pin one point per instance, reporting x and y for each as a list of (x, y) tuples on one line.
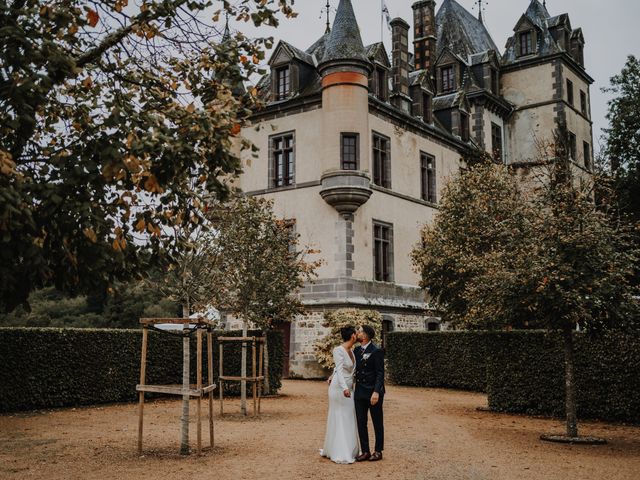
[(611, 29)]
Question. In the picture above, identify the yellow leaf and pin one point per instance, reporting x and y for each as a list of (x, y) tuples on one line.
[(87, 82), (116, 245), (191, 108), (90, 234), (140, 226)]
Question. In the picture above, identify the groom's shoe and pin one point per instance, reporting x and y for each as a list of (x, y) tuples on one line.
[(365, 456), (375, 457)]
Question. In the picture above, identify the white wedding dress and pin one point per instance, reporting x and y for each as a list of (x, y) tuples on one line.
[(341, 438)]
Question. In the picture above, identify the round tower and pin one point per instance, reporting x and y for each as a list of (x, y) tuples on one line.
[(345, 70)]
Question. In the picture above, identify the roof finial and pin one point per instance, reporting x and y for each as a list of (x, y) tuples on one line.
[(227, 34), (327, 9), (481, 4)]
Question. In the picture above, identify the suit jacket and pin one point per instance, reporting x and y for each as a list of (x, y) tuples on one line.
[(369, 374)]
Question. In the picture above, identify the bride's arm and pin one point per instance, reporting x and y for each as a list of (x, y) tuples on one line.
[(338, 359)]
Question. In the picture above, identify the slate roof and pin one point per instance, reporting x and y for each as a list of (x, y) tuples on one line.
[(539, 16), (345, 42), (299, 54), (461, 32)]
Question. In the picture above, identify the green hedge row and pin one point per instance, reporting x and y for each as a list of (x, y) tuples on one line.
[(49, 367), (438, 359), (523, 371), (525, 374)]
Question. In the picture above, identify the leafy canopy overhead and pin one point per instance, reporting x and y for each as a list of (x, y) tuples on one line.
[(116, 120)]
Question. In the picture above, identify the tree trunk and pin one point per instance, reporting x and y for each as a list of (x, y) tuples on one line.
[(267, 383), (184, 427), (243, 372), (570, 387)]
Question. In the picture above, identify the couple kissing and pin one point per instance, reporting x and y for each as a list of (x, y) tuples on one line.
[(356, 390)]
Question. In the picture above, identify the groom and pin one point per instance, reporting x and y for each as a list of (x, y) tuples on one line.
[(369, 393)]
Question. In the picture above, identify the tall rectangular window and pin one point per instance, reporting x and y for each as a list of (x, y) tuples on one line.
[(382, 252), (570, 92), (496, 142), (572, 146), (349, 151), (428, 177), (526, 43), (587, 155), (426, 108), (381, 84), (283, 83), (464, 127), (381, 161), (583, 102), (447, 77), (495, 82), (282, 160)]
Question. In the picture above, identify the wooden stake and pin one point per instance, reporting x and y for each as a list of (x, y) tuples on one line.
[(199, 387), (260, 374), (143, 374), (210, 368), (253, 374), (220, 375)]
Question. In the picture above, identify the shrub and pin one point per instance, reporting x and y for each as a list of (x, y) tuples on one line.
[(438, 359), (522, 371), (47, 367), (525, 375), (337, 319)]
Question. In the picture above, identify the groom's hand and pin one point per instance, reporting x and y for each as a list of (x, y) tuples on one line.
[(374, 398), (329, 380), (347, 393)]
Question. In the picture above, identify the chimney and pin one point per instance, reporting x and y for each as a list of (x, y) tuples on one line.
[(424, 42), (400, 59)]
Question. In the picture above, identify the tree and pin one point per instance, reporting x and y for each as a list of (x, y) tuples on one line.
[(116, 121), (338, 319), (622, 138), (260, 267), (498, 256)]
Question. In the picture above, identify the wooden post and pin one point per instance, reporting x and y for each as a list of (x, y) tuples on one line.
[(143, 374), (253, 374), (199, 387), (220, 374), (210, 368), (260, 374)]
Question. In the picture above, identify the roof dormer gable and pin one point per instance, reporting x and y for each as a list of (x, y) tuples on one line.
[(525, 24), (377, 54)]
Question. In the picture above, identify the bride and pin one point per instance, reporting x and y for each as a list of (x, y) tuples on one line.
[(341, 438)]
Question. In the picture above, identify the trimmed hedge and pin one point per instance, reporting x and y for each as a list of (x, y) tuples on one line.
[(438, 359), (49, 367), (523, 371), (525, 374)]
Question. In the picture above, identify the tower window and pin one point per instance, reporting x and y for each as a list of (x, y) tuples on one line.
[(349, 150), (526, 43), (428, 177), (583, 102), (572, 145), (570, 92), (496, 142), (587, 155)]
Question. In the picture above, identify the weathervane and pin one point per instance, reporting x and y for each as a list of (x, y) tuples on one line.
[(481, 6), (327, 9)]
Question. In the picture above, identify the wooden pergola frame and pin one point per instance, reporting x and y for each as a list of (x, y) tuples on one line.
[(198, 392), (256, 377)]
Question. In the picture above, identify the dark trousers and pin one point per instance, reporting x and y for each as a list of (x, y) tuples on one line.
[(363, 407)]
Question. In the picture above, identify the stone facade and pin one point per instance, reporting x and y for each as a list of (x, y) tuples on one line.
[(412, 118)]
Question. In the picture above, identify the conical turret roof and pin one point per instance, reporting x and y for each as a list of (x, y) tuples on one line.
[(345, 42)]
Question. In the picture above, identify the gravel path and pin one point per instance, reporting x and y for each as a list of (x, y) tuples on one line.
[(431, 434)]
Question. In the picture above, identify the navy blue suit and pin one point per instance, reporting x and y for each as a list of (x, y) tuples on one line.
[(369, 379)]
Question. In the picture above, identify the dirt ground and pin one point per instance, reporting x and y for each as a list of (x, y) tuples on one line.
[(430, 434)]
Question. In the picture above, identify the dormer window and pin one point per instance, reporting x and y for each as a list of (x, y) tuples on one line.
[(283, 83), (380, 83), (525, 43), (447, 79)]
